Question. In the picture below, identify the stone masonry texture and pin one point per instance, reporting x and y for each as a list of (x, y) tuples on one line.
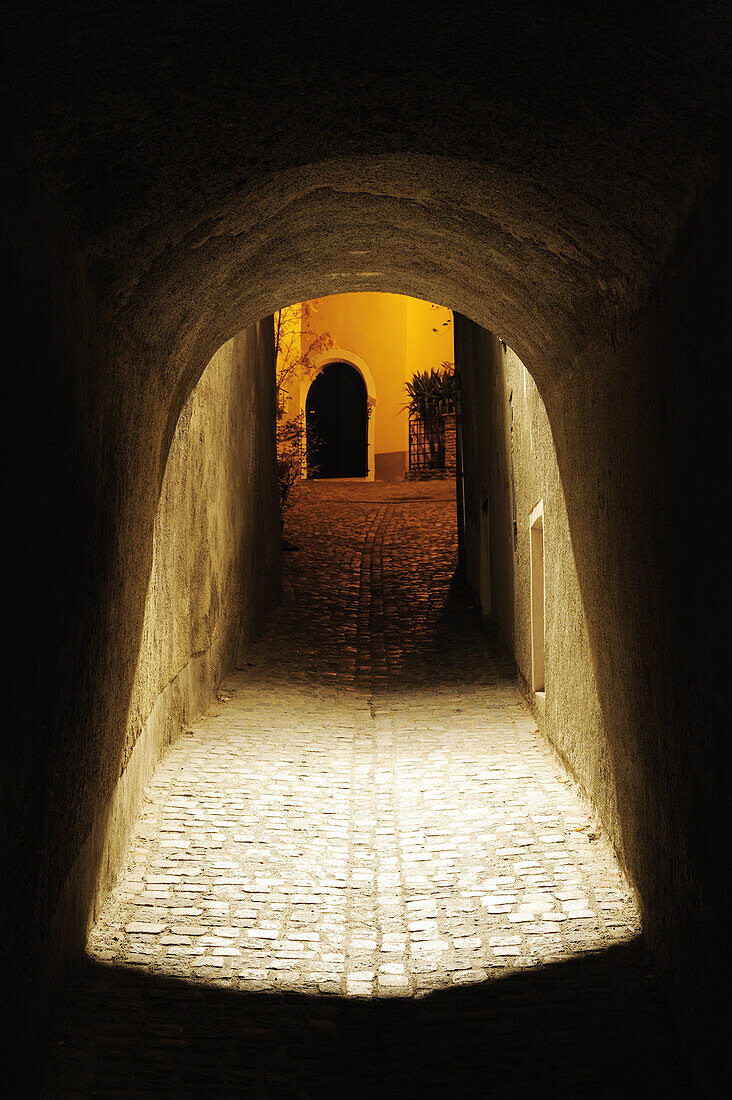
[(361, 872)]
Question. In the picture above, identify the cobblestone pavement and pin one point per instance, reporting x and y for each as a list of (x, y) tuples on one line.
[(362, 872)]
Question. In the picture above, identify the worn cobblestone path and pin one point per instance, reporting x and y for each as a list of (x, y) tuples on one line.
[(362, 872)]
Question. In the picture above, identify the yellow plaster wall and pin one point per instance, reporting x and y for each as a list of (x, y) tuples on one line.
[(430, 340), (374, 327), (395, 336)]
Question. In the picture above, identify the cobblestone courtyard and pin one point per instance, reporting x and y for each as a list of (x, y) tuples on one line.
[(362, 872)]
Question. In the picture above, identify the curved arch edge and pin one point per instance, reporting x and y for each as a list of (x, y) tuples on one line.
[(342, 355)]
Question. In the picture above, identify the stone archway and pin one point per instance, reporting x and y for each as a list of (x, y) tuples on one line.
[(336, 419), (344, 355)]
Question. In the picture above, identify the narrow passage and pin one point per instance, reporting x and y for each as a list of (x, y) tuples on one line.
[(362, 872)]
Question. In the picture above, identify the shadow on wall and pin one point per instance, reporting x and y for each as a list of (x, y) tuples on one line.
[(649, 557), (213, 579), (634, 623), (576, 1028)]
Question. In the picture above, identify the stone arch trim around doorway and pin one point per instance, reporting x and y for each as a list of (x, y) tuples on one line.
[(342, 355)]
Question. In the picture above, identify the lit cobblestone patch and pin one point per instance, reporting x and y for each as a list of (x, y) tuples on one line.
[(365, 810)]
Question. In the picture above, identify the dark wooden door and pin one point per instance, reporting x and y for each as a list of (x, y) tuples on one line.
[(336, 418)]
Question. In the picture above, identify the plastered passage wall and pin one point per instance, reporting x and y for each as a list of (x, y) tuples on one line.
[(511, 469), (212, 578), (214, 572), (638, 433), (214, 575)]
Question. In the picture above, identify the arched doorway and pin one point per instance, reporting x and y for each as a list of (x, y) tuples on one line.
[(336, 420)]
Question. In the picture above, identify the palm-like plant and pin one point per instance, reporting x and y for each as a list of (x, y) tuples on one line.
[(431, 394), (424, 393)]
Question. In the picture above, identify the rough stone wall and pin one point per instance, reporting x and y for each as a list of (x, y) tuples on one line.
[(214, 571), (476, 358), (636, 631), (214, 575), (504, 415), (155, 581), (641, 443)]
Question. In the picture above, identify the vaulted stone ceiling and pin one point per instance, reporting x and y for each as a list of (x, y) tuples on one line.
[(527, 164)]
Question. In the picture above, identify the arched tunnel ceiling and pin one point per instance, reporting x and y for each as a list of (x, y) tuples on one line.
[(526, 164)]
